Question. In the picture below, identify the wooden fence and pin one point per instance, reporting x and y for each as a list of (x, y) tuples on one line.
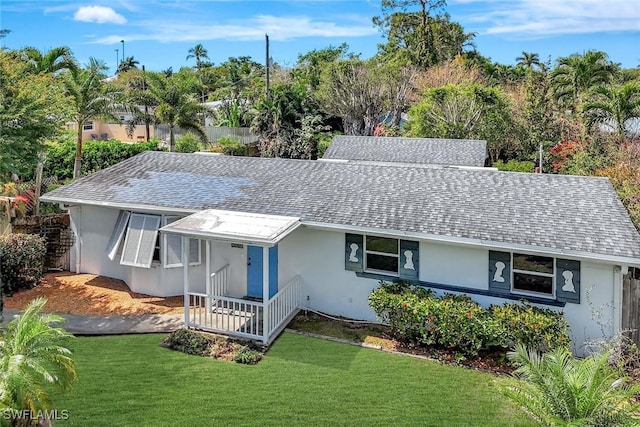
[(631, 304)]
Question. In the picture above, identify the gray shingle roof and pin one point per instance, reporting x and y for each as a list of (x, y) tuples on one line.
[(571, 213), (459, 152)]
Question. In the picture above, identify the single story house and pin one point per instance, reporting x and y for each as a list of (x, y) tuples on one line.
[(261, 237), (449, 152)]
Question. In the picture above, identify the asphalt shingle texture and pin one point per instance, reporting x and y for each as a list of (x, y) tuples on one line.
[(555, 211), (458, 152)]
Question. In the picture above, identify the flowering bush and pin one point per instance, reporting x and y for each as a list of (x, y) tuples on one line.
[(415, 314), (22, 261)]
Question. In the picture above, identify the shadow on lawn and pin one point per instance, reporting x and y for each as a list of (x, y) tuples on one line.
[(313, 351)]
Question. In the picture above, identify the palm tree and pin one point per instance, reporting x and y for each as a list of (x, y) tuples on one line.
[(528, 60), (127, 64), (90, 98), (199, 53), (574, 75), (33, 356), (52, 61), (175, 105), (557, 389), (613, 107)]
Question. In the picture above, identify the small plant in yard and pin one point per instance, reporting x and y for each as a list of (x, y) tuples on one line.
[(214, 346), (231, 146), (22, 260), (188, 143), (33, 357), (557, 389), (247, 356)]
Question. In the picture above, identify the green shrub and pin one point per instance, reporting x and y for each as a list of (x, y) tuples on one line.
[(536, 328), (231, 146), (22, 260), (96, 155), (190, 342), (515, 166), (247, 356), (416, 315), (188, 143)]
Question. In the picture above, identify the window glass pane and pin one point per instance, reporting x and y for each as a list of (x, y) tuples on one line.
[(535, 263), (382, 262), (531, 283), (382, 244)]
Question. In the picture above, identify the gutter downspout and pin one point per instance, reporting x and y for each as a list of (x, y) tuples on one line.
[(76, 226)]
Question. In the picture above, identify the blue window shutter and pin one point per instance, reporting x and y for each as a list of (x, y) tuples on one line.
[(353, 252), (500, 272), (409, 260), (568, 280), (273, 271)]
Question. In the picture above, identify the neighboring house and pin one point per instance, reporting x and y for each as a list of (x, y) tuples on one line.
[(98, 129), (321, 234), (451, 152)]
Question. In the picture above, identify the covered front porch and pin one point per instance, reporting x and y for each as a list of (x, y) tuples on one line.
[(245, 297)]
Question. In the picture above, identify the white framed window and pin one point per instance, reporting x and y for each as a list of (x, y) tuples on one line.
[(87, 126), (382, 254), (533, 274), (172, 247)]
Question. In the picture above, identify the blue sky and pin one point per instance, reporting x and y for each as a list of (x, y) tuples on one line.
[(160, 33)]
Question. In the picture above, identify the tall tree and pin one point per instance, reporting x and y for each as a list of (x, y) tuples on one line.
[(32, 107), (175, 103), (418, 34), (528, 60), (33, 357), (613, 107), (90, 98), (574, 75), (198, 52), (51, 61), (128, 63)]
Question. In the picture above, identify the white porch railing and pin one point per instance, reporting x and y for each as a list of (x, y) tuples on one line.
[(282, 306), (214, 311), (232, 316)]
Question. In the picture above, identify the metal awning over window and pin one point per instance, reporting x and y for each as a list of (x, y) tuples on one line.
[(232, 226)]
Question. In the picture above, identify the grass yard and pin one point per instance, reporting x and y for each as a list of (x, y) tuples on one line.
[(132, 381)]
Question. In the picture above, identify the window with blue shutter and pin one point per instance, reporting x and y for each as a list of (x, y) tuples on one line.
[(500, 272), (568, 280), (353, 252)]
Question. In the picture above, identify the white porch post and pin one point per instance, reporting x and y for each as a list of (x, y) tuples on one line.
[(265, 295), (185, 278), (207, 273)]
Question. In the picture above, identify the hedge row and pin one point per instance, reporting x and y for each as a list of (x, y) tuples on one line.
[(416, 315), (96, 155), (22, 261)]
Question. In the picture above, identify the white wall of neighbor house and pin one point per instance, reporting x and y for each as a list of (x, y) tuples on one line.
[(95, 225)]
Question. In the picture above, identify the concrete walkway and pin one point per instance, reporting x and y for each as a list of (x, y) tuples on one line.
[(113, 325)]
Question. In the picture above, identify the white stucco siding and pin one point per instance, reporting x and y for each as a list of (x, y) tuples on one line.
[(223, 253), (94, 227), (453, 265), (596, 316), (318, 258)]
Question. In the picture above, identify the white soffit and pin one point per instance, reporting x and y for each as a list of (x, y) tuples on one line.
[(234, 226)]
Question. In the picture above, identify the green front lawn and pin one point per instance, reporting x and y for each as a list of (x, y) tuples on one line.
[(132, 381)]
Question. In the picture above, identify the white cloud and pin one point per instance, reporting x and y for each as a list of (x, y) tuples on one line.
[(539, 18), (99, 15), (278, 28)]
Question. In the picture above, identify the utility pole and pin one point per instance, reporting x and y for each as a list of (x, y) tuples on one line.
[(146, 107), (122, 41), (117, 59), (540, 160), (268, 65)]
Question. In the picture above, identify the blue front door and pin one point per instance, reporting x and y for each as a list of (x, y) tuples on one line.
[(254, 271)]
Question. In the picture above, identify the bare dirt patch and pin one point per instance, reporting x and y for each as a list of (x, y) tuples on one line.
[(91, 295)]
